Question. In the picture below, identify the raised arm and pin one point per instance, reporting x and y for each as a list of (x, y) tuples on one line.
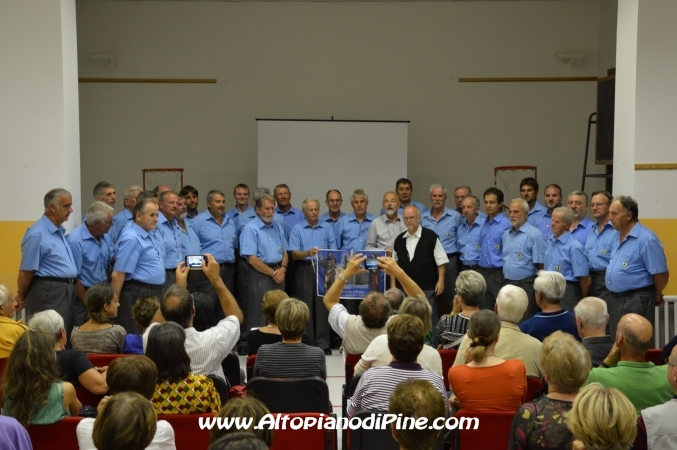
[(390, 267), (212, 270), (354, 266)]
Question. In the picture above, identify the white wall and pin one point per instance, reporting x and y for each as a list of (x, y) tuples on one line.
[(608, 15), (362, 61)]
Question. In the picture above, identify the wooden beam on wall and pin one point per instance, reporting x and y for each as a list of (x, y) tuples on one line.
[(525, 79), (655, 166), (149, 80)]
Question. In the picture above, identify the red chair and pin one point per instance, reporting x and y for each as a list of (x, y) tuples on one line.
[(654, 356), (57, 436), (349, 366), (251, 360), (533, 385), (3, 364), (102, 360), (310, 439), (187, 432), (86, 397), (448, 358), (491, 433)]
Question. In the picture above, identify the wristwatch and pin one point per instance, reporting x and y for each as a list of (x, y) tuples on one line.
[(340, 277)]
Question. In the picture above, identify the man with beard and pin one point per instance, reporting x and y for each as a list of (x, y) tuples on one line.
[(191, 195), (578, 203), (598, 243), (469, 233), (445, 222), (264, 246), (385, 228), (553, 199), (529, 192), (523, 251)]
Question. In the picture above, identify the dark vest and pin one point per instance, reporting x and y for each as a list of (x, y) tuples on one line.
[(423, 269)]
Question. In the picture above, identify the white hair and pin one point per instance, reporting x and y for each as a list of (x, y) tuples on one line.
[(551, 285), (5, 295), (98, 211), (49, 321), (512, 303), (523, 203), (592, 311)]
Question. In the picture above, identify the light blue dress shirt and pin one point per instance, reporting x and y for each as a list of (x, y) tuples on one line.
[(491, 241), (304, 237), (44, 250), (543, 224), (536, 213), (351, 234), (140, 255), (266, 242), (582, 230), (446, 228), (598, 246), (120, 222), (291, 217), (635, 260), (218, 240), (400, 210), (324, 218), (522, 251), (92, 257), (469, 241), (168, 233), (567, 256), (190, 242), (234, 213)]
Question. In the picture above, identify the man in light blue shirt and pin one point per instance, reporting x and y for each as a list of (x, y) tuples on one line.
[(263, 245), (191, 196), (241, 196), (333, 200), (460, 193), (351, 230), (523, 252), (404, 189), (553, 199), (445, 222), (93, 252), (126, 216), (291, 215), (306, 239), (637, 271), (168, 232), (491, 246), (47, 273), (529, 192), (190, 244), (139, 262), (564, 254), (577, 201), (598, 243), (469, 233)]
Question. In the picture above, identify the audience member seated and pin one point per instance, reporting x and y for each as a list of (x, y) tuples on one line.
[(470, 287), (99, 334), (549, 288), (542, 423), (13, 436), (247, 407), (178, 391), (270, 334), (416, 399), (487, 382), (357, 331), (10, 330), (395, 297), (143, 312), (137, 374), (406, 336), (591, 321), (656, 425), (291, 358), (127, 421), (204, 318), (73, 364), (511, 304), (33, 393), (377, 354), (626, 369), (207, 349), (602, 418), (240, 440), (667, 350)]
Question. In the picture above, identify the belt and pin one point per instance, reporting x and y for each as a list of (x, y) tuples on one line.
[(276, 265), (304, 262), (451, 255), (596, 273), (491, 269), (170, 270), (524, 281), (226, 264), (142, 284), (57, 279), (633, 291), (471, 267)]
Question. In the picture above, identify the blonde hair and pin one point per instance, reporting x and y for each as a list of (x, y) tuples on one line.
[(565, 362), (271, 301), (292, 318), (418, 306), (603, 419), (483, 330)]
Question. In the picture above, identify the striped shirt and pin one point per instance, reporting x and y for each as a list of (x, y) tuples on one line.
[(374, 389), (290, 361), (451, 329)]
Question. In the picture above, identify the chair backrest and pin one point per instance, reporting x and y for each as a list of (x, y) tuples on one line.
[(221, 388), (231, 368), (534, 388), (3, 365), (251, 360), (86, 397), (313, 438), (498, 422), (448, 358), (291, 395), (187, 433), (102, 359), (57, 436), (351, 361), (361, 438), (654, 355)]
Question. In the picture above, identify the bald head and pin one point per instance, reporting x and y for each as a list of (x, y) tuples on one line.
[(635, 333)]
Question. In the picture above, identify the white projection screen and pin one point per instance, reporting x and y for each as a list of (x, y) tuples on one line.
[(313, 156)]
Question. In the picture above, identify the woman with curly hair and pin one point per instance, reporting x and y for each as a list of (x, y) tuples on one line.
[(32, 390), (487, 382), (99, 334)]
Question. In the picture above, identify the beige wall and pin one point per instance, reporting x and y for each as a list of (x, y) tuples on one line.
[(365, 61)]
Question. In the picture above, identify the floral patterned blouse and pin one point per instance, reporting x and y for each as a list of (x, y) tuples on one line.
[(541, 424), (195, 394)]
